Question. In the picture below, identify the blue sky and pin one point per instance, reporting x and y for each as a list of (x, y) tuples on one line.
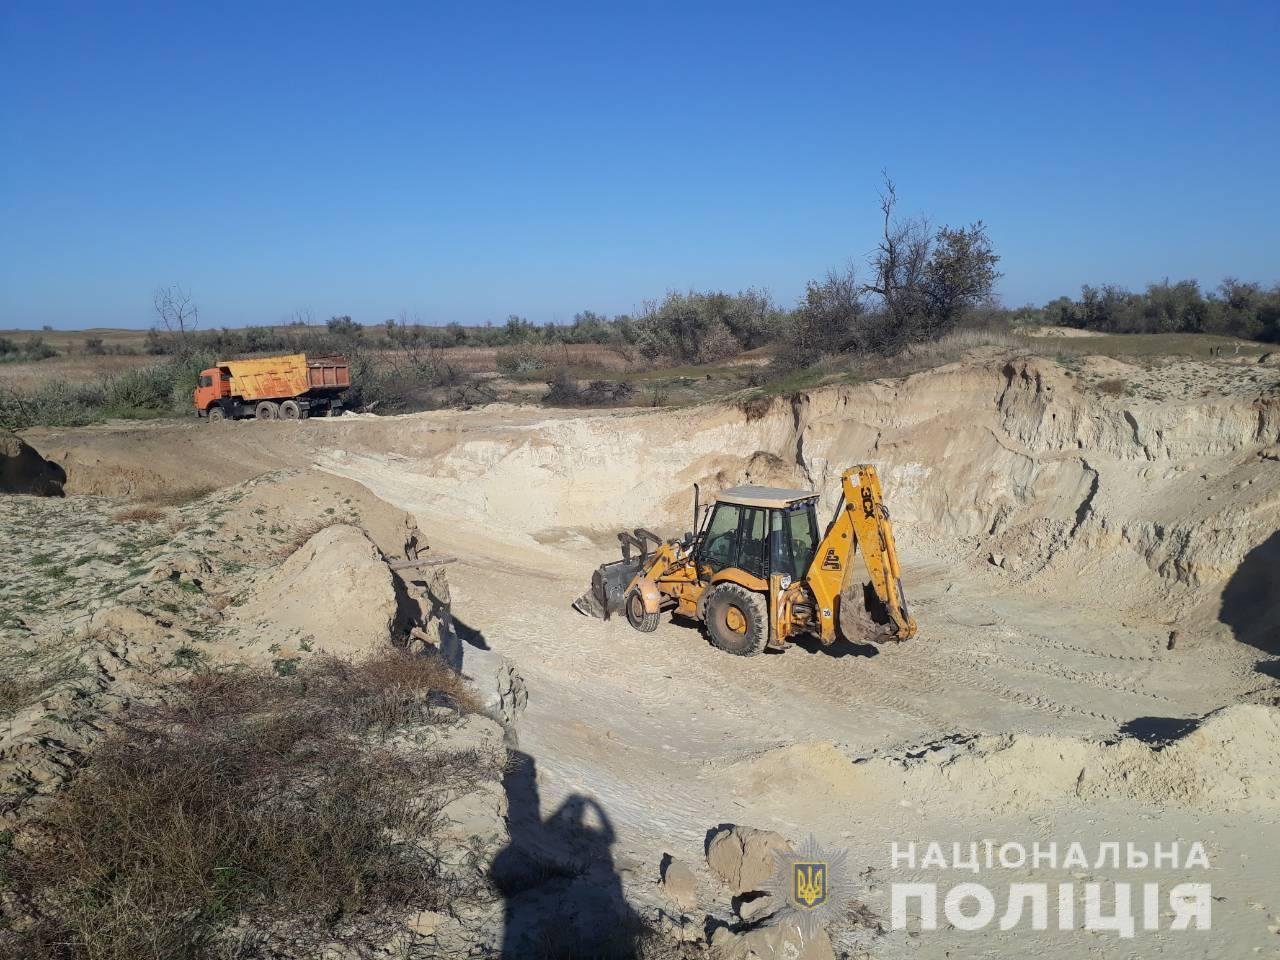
[(468, 161)]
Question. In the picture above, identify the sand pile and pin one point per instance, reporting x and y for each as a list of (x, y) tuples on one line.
[(333, 596), (1229, 762)]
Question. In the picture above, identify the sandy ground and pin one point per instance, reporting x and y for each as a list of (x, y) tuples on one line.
[(1086, 565)]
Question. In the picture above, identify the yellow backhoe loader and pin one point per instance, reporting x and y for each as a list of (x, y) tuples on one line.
[(757, 574)]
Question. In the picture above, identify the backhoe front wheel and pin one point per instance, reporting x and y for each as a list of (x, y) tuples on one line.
[(644, 622), (737, 619)]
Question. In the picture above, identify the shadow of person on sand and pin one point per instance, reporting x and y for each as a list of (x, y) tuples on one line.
[(562, 893)]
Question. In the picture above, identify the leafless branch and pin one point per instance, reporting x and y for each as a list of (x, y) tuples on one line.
[(176, 312)]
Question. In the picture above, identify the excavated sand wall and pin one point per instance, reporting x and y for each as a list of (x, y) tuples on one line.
[(1155, 498), (1139, 498)]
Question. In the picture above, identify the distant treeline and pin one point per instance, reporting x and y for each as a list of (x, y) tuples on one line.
[(1236, 308), (920, 284), (834, 317)]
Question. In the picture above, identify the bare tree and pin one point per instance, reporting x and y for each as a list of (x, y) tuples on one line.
[(925, 279), (898, 268), (177, 313)]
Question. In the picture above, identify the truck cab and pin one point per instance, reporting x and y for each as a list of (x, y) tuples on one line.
[(213, 385)]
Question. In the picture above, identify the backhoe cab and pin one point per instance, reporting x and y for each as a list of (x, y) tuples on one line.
[(757, 573)]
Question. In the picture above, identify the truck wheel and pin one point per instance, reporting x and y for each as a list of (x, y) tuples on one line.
[(266, 410), (290, 410), (216, 414), (737, 619), (644, 622)]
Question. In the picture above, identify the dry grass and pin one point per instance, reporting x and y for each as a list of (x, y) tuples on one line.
[(72, 369), (957, 343), (1114, 387), (591, 357), (72, 341), (299, 537), (138, 515), (755, 407), (250, 797), (180, 496), (1145, 346), (27, 677)]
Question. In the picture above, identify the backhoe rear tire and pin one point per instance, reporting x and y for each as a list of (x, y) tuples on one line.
[(737, 619), (644, 622)]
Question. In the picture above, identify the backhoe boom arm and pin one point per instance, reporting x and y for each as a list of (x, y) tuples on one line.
[(861, 525)]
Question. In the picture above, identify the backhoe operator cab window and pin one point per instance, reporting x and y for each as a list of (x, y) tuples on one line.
[(793, 537), (735, 537), (760, 540)]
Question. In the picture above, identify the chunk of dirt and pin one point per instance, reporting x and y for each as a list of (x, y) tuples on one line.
[(743, 857), (680, 884)]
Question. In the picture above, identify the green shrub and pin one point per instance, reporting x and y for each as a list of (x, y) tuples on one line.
[(147, 388), (705, 327), (55, 404), (270, 799), (145, 392), (36, 349), (520, 361)]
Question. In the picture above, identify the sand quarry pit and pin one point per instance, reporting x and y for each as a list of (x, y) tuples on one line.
[(1096, 576)]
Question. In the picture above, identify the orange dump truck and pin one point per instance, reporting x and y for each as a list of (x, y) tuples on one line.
[(273, 388)]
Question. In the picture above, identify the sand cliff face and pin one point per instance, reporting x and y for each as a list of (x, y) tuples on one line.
[(1145, 496), (1023, 461)]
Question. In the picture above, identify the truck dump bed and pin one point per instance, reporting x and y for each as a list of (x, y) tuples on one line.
[(294, 375)]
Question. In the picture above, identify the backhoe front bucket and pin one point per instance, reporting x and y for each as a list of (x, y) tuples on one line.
[(608, 584)]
